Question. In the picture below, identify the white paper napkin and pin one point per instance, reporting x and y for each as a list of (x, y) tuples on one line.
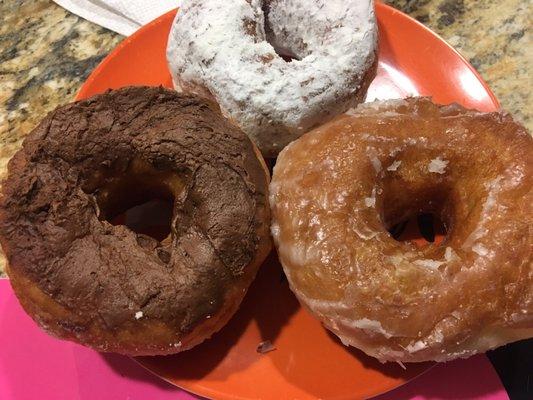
[(122, 16)]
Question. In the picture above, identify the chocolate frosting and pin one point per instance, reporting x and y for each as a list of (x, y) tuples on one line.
[(90, 160)]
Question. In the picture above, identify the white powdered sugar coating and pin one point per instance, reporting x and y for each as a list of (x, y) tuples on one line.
[(438, 166), (139, 315), (227, 50)]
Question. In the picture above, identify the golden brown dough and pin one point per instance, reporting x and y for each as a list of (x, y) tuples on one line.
[(337, 190)]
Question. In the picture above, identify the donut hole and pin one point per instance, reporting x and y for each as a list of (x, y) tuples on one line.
[(421, 229), (140, 198), (285, 53), (422, 217), (286, 57), (280, 45), (151, 218)]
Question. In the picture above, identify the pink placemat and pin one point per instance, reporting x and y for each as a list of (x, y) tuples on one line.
[(36, 366)]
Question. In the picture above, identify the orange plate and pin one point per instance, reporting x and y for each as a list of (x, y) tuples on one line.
[(308, 362)]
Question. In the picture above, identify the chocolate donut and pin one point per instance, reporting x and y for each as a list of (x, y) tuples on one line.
[(103, 285), (336, 191)]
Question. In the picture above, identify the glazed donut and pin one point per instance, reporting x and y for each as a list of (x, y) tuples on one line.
[(337, 190), (229, 51), (105, 286)]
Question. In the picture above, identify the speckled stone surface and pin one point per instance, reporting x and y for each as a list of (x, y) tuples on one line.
[(46, 53), (493, 35)]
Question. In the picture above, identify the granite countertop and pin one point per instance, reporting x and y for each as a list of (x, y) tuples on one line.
[(46, 53)]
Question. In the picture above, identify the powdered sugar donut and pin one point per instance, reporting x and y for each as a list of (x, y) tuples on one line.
[(230, 50)]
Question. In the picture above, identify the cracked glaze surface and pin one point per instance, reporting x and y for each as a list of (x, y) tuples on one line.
[(337, 189)]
